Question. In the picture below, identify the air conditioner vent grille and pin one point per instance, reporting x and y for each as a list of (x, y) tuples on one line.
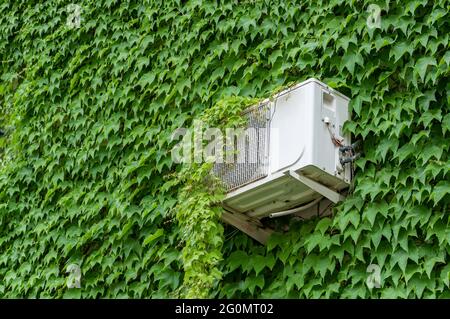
[(250, 161)]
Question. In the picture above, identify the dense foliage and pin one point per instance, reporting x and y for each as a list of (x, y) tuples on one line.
[(90, 110)]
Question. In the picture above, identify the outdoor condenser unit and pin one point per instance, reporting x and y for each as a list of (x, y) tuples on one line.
[(290, 154)]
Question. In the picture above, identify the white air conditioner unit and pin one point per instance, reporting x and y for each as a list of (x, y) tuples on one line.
[(290, 156)]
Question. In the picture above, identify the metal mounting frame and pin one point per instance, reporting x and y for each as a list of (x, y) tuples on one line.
[(332, 195), (251, 226)]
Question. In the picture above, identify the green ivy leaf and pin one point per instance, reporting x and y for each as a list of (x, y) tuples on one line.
[(439, 191), (422, 65)]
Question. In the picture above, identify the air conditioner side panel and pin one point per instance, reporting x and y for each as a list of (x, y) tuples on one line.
[(291, 129), (331, 108)]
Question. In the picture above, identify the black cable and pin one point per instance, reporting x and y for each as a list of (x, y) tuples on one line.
[(325, 209)]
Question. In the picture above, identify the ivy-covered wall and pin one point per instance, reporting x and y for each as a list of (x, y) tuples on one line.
[(89, 110)]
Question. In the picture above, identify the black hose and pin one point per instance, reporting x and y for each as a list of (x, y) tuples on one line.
[(352, 147), (350, 159)]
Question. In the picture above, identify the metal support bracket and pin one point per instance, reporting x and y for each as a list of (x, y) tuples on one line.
[(252, 227), (332, 195)]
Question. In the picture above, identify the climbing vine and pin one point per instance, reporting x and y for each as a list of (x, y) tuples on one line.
[(90, 105), (198, 209)]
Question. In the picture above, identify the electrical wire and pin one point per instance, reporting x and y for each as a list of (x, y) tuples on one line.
[(231, 234), (325, 209), (335, 141)]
